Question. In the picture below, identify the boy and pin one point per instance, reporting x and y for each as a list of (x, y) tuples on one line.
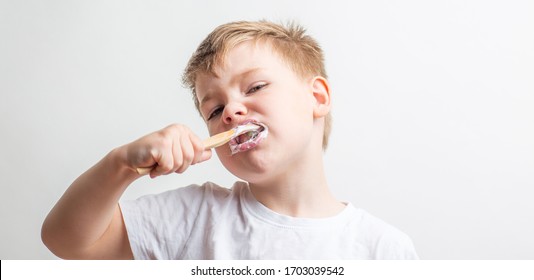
[(242, 72)]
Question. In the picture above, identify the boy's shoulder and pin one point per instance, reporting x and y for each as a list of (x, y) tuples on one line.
[(213, 191), (387, 241), (206, 195), (206, 188)]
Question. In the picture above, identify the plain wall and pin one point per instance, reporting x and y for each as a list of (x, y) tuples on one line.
[(433, 108)]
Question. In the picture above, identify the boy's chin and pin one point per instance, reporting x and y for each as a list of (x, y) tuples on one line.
[(250, 170)]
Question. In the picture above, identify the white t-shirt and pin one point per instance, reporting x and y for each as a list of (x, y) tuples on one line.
[(212, 222)]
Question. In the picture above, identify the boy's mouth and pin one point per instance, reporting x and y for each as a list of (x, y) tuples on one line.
[(249, 140)]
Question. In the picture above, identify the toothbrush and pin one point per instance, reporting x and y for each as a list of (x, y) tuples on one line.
[(214, 141)]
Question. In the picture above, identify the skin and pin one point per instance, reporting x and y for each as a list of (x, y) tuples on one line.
[(285, 171)]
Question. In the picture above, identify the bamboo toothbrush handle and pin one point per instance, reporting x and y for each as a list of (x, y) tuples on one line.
[(144, 170)]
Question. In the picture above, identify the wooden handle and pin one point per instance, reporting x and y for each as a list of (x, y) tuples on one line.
[(144, 170)]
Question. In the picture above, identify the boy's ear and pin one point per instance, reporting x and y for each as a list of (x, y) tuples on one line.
[(321, 94)]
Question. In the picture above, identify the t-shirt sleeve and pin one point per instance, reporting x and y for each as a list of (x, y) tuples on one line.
[(159, 225), (385, 241), (395, 245)]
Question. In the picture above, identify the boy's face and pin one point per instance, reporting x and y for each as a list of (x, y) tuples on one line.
[(255, 84)]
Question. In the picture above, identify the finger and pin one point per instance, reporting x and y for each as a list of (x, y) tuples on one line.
[(206, 154), (198, 147), (165, 163), (188, 154)]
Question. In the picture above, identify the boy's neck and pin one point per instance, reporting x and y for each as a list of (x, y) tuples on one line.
[(300, 192)]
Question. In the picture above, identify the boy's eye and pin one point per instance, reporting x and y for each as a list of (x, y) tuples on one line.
[(215, 113), (256, 88)]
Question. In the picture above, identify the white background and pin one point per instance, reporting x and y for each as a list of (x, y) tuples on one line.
[(433, 108)]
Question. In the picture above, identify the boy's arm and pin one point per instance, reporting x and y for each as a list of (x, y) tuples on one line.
[(86, 223)]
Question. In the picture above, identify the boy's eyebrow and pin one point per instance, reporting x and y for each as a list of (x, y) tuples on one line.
[(244, 74), (233, 80)]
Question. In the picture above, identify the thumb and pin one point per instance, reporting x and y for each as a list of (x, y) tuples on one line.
[(206, 155)]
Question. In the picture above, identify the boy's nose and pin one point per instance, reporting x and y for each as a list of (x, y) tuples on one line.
[(234, 113)]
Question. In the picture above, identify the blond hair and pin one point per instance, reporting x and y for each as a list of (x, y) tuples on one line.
[(300, 51)]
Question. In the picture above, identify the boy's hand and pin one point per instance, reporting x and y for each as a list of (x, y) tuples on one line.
[(172, 149)]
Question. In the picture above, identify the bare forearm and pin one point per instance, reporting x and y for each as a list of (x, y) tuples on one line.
[(85, 211)]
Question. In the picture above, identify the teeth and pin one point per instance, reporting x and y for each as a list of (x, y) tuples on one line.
[(248, 140), (246, 137)]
